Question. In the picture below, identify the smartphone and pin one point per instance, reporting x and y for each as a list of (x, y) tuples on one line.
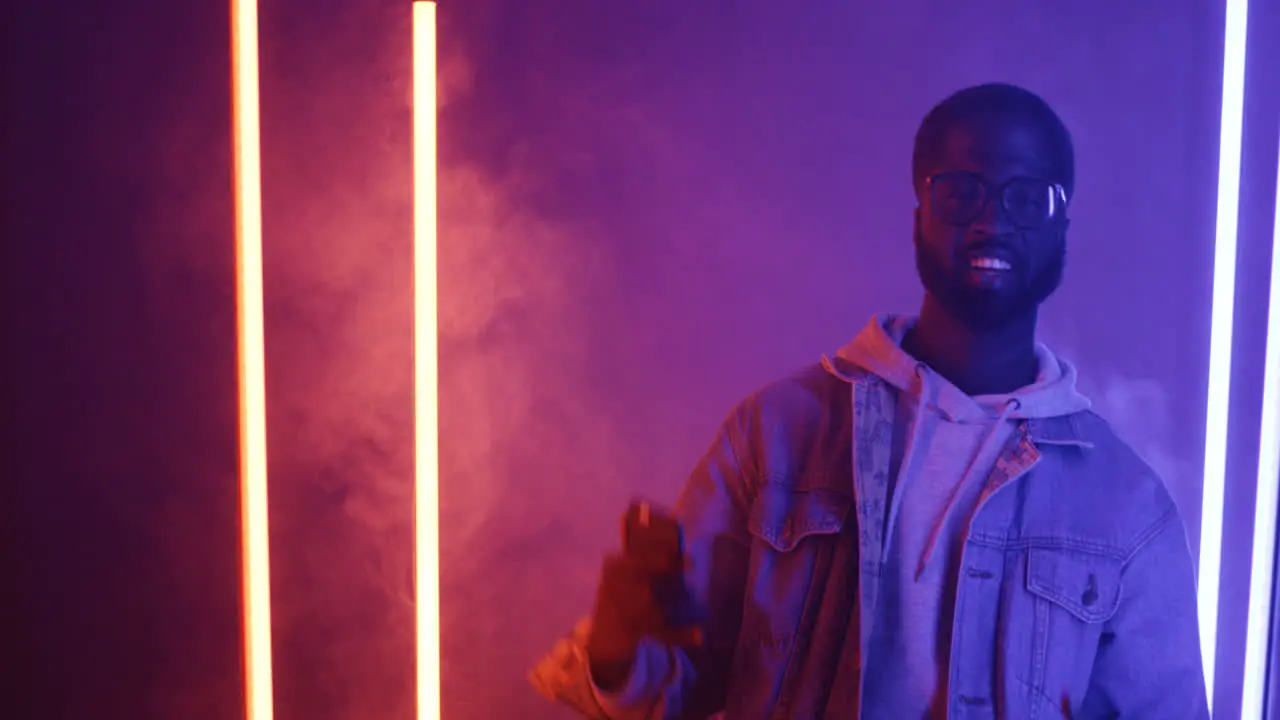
[(652, 536)]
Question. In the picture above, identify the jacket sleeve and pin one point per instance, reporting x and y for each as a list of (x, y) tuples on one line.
[(670, 683), (1148, 663)]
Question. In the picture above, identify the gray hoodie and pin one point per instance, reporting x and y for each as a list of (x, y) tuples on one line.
[(944, 443)]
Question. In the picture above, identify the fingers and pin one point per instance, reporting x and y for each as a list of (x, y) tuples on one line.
[(633, 603), (689, 637), (626, 586)]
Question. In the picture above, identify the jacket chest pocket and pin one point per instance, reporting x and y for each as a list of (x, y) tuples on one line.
[(1074, 594), (793, 534), (788, 527)]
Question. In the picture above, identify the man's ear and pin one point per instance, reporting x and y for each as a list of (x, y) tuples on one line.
[(915, 235)]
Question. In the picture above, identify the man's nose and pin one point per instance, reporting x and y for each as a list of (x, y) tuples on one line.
[(992, 221)]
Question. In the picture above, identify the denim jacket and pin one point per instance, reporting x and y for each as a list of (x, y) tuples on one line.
[(1076, 598)]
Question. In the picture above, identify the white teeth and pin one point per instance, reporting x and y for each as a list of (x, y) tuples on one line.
[(990, 263)]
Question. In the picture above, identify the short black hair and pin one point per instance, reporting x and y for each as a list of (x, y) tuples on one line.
[(986, 99)]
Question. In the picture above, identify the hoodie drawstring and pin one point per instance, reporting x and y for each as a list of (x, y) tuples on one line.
[(908, 451), (1009, 406)]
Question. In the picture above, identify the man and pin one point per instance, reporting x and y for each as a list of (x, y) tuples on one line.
[(932, 524)]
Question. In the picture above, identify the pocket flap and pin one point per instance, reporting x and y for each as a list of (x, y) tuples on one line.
[(1086, 585), (783, 516)]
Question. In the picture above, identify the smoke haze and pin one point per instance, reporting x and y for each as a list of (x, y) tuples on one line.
[(645, 212)]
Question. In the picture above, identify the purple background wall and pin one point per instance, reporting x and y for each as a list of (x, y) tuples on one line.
[(714, 197), (647, 210)]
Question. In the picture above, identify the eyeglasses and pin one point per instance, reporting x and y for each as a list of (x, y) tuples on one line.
[(958, 198)]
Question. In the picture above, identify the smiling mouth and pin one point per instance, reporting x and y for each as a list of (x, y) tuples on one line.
[(989, 263)]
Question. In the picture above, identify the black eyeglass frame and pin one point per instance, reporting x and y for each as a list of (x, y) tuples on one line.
[(1057, 199)]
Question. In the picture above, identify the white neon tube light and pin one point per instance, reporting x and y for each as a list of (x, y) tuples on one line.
[(255, 555), (1223, 315), (1262, 573), (425, 365)]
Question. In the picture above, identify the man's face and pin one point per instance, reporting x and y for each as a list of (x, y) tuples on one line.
[(991, 226)]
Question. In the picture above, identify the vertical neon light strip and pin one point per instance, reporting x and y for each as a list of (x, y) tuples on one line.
[(1262, 574), (425, 364), (255, 561), (1223, 315)]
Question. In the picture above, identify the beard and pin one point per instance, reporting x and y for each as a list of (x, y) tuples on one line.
[(983, 308)]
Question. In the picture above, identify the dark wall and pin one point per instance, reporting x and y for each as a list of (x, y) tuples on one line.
[(121, 422), (647, 209)]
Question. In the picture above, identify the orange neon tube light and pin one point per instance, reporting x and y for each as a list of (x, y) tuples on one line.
[(252, 374), (426, 512), (255, 561)]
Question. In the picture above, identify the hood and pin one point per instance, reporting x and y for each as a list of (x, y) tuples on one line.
[(878, 349)]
